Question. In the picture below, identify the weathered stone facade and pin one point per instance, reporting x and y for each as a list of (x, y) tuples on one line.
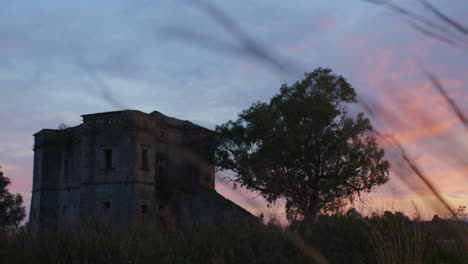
[(125, 167)]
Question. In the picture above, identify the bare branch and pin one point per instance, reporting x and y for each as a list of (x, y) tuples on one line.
[(455, 108), (429, 27), (96, 79), (202, 40), (445, 18), (412, 165), (432, 34), (248, 44)]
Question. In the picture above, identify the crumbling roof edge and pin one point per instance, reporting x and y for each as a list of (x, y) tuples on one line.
[(56, 131), (191, 127), (113, 112)]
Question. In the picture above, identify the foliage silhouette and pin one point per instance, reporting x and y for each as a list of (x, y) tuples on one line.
[(304, 147), (11, 210)]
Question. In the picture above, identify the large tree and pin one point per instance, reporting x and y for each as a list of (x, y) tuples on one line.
[(11, 210), (303, 146)]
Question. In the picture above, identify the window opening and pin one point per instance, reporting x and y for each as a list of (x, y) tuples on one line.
[(108, 158), (144, 159), (144, 208), (160, 169)]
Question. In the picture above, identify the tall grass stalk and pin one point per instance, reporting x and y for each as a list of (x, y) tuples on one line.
[(396, 243)]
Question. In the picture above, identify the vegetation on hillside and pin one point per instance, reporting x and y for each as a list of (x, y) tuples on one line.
[(339, 238)]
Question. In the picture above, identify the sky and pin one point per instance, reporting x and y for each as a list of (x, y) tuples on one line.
[(62, 59)]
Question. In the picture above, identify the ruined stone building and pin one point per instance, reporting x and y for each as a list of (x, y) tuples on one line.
[(126, 167)]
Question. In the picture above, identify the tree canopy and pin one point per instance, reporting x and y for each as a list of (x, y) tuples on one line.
[(11, 210), (303, 146)]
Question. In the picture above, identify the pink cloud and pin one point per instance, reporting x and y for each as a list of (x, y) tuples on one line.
[(408, 107), (325, 24)]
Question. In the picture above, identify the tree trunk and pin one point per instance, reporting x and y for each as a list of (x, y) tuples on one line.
[(311, 212)]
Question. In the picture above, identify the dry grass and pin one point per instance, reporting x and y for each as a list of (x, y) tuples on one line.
[(342, 238)]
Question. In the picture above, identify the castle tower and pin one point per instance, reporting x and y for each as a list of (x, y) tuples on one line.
[(121, 166)]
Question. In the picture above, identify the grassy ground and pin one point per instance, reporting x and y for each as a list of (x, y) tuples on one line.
[(391, 238)]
